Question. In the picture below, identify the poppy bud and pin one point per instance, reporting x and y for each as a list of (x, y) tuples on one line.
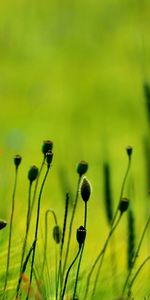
[(123, 206), (85, 190), (57, 234), (47, 146), (17, 160), (33, 173), (82, 167), (129, 150), (81, 234), (2, 224), (49, 157)]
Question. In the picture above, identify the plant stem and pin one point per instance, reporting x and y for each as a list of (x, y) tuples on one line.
[(36, 228), (61, 248), (136, 274), (68, 271), (10, 231), (102, 252), (80, 258), (136, 255), (70, 226)]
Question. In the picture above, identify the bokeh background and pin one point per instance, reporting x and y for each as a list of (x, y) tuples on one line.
[(73, 72)]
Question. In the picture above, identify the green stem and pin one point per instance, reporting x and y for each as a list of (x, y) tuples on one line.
[(136, 274), (80, 258), (10, 231), (68, 271), (136, 255), (61, 248), (36, 228), (71, 224)]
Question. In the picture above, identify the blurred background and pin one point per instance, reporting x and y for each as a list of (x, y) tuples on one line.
[(73, 72)]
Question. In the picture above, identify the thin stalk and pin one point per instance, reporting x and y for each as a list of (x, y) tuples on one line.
[(68, 271), (136, 255), (99, 256), (71, 224), (103, 255), (61, 248), (25, 239), (36, 228), (45, 242), (10, 231), (80, 258), (136, 274)]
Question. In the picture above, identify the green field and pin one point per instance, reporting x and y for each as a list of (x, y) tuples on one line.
[(73, 72)]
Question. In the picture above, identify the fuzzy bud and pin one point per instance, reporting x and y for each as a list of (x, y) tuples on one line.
[(2, 224), (47, 146), (81, 234), (17, 160), (49, 157), (129, 150), (85, 190), (82, 167), (123, 206), (57, 234), (33, 173)]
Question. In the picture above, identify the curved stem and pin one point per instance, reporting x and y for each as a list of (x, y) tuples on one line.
[(70, 226), (67, 274), (36, 228), (136, 274), (10, 231), (80, 258), (136, 255)]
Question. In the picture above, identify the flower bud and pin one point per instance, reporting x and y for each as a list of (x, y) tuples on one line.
[(2, 224), (85, 190), (129, 150), (82, 167), (47, 146), (49, 157), (81, 234), (57, 234), (123, 206), (33, 173), (17, 160)]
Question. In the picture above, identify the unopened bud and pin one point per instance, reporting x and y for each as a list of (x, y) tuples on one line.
[(3, 224), (17, 160), (33, 173), (123, 206), (129, 150), (81, 234), (57, 234), (47, 146), (85, 190), (82, 167)]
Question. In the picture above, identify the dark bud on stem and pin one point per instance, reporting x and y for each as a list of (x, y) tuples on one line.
[(57, 234), (123, 206), (85, 190), (49, 157), (129, 150), (33, 173), (2, 224), (82, 167), (17, 160), (81, 234), (47, 146)]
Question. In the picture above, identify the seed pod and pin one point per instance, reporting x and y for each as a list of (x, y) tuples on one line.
[(80, 235), (85, 190), (33, 173), (3, 224), (57, 234), (123, 206), (17, 160), (47, 146), (82, 167), (49, 157), (129, 150)]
